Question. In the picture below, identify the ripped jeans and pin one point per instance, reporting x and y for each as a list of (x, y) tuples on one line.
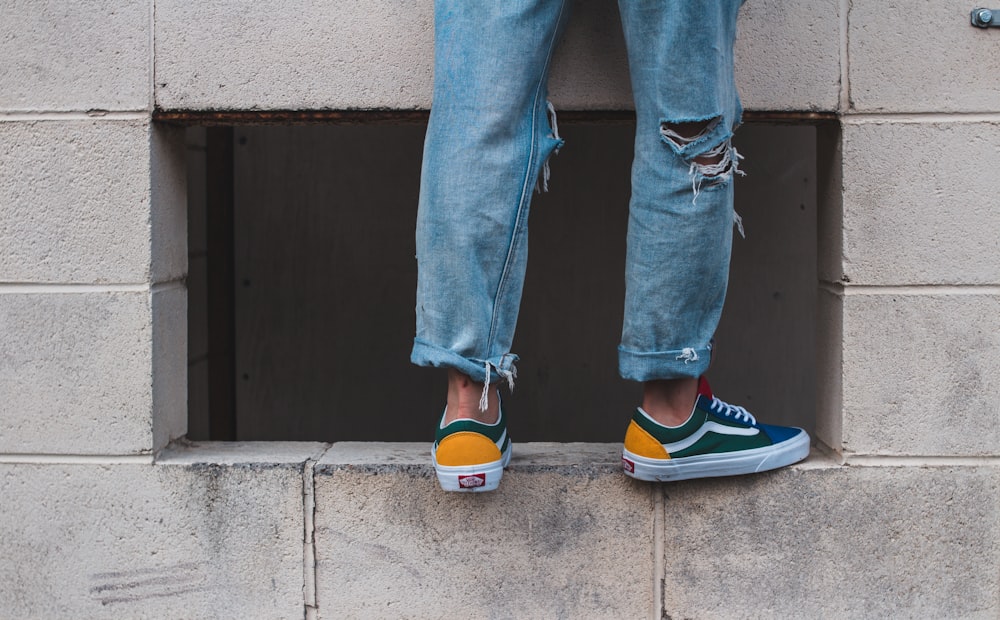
[(490, 134)]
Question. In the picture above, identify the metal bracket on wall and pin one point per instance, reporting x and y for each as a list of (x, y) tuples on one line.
[(985, 18)]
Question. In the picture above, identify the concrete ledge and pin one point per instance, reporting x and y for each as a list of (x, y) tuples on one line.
[(566, 536), (373, 457), (814, 540), (234, 453), (232, 529), (822, 541)]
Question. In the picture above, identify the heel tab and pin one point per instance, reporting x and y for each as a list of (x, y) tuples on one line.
[(704, 389)]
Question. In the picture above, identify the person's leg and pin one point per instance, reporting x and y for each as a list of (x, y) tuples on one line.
[(487, 142), (488, 138), (679, 241), (681, 211)]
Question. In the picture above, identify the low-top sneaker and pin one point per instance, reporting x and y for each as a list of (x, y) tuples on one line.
[(718, 439), (470, 456)]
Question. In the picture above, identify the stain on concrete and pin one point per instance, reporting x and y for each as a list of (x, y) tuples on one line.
[(145, 583)]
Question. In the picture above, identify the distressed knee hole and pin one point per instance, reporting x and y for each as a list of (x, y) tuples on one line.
[(708, 149), (685, 133), (693, 142), (705, 146), (718, 164)]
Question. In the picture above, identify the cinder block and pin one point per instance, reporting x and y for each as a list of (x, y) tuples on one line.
[(84, 55), (820, 541), (921, 56), (78, 201), (920, 203), (565, 536), (198, 535), (77, 371), (921, 374), (788, 55), (356, 54), (293, 55)]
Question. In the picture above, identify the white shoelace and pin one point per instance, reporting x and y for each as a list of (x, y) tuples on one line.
[(510, 374), (728, 410)]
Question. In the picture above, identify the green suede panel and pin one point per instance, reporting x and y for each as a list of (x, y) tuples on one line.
[(702, 413), (714, 443), (494, 432), (711, 443)]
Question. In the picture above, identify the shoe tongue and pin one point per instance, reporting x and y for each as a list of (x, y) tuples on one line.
[(703, 388)]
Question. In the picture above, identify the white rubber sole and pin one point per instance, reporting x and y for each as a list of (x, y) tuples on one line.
[(472, 478), (715, 465)]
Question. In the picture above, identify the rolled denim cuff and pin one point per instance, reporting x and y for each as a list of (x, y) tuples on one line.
[(500, 367), (676, 364)]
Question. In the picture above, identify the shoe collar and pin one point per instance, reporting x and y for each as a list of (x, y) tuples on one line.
[(442, 425)]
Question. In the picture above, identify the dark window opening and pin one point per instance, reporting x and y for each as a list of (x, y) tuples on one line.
[(302, 276)]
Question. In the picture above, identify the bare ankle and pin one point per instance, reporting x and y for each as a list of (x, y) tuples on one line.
[(464, 395), (670, 401)]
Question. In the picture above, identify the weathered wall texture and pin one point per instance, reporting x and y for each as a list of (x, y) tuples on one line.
[(189, 537), (97, 520), (352, 54)]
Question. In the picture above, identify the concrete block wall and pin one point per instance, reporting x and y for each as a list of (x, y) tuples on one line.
[(106, 514), (93, 236), (910, 266), (211, 534)]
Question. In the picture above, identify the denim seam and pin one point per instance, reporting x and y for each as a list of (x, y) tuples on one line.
[(526, 186)]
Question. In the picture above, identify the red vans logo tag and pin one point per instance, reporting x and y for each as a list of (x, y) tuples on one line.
[(628, 465), (472, 481)]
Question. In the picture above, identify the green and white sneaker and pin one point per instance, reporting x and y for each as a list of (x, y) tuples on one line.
[(470, 456), (718, 439)]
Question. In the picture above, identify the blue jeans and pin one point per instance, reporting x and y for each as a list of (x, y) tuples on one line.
[(490, 134)]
